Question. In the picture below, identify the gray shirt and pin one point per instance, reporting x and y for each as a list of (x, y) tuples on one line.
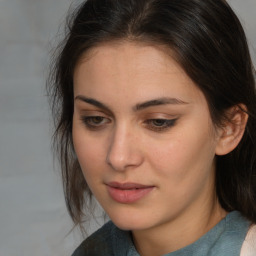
[(225, 239)]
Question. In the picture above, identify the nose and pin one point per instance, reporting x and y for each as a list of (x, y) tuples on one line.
[(123, 151)]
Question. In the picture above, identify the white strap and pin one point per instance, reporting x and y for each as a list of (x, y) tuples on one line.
[(249, 244)]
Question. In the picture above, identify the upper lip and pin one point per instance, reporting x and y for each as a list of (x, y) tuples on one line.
[(127, 185)]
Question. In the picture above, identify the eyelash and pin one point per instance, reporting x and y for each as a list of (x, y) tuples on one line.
[(157, 124), (163, 124), (90, 123)]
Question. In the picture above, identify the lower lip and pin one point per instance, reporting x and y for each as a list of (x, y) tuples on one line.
[(126, 196)]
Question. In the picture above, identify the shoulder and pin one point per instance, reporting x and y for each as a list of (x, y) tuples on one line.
[(249, 244), (99, 243)]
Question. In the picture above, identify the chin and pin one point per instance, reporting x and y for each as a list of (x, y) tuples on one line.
[(124, 225), (131, 221)]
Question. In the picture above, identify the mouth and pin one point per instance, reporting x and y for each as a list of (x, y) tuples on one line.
[(128, 192)]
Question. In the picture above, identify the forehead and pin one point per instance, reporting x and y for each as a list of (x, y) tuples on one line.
[(143, 55), (128, 68)]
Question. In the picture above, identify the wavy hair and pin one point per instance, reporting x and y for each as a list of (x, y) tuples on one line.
[(209, 44)]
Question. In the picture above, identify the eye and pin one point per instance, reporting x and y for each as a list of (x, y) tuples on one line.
[(160, 124), (94, 122)]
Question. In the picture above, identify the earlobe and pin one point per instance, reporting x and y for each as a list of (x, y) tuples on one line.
[(231, 132)]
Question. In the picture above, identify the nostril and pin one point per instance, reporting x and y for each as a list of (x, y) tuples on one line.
[(120, 160), (123, 151)]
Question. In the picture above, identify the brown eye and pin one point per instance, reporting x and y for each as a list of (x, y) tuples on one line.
[(160, 124), (94, 122)]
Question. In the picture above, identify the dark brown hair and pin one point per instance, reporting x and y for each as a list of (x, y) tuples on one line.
[(209, 44)]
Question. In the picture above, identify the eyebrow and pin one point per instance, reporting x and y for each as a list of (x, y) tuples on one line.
[(93, 102), (137, 107), (160, 101)]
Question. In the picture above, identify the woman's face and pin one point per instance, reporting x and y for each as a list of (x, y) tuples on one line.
[(143, 136)]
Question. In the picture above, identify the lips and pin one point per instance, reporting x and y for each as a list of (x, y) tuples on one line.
[(128, 192)]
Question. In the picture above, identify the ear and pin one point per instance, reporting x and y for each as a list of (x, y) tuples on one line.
[(232, 130)]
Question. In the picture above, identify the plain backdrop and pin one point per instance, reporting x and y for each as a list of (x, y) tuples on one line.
[(33, 218)]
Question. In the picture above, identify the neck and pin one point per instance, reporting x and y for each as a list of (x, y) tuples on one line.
[(180, 232)]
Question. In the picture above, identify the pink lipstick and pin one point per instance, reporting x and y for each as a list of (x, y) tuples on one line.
[(127, 192)]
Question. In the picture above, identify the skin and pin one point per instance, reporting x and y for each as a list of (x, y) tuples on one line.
[(126, 142)]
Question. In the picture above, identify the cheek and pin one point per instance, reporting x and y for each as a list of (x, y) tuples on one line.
[(89, 152), (183, 156)]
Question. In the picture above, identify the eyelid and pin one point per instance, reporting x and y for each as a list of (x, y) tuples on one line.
[(158, 115), (167, 124), (87, 120), (84, 108), (94, 112)]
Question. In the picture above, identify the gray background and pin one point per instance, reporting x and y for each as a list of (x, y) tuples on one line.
[(33, 218)]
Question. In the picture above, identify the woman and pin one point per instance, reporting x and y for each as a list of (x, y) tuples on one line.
[(155, 110)]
